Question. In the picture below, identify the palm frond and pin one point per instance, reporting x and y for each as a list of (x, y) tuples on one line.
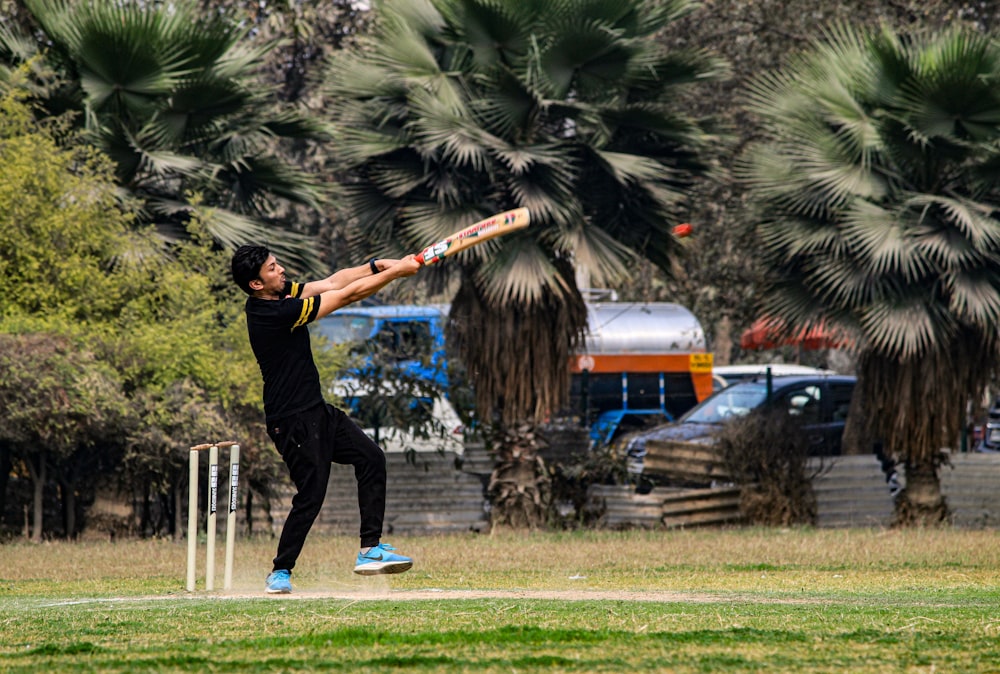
[(608, 260), (520, 272), (904, 326), (588, 56), (360, 143), (398, 178), (166, 91), (122, 58), (629, 168), (350, 78), (657, 118), (407, 54), (974, 221), (974, 296), (442, 127), (495, 32), (520, 159), (803, 239), (884, 241), (876, 212), (15, 47), (254, 180), (507, 107), (232, 230), (163, 163), (656, 74), (546, 191), (836, 286)]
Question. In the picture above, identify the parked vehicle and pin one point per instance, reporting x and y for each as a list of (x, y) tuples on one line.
[(413, 333), (726, 375), (822, 402), (392, 418), (640, 361)]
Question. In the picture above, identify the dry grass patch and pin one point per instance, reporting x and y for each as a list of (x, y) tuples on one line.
[(738, 560)]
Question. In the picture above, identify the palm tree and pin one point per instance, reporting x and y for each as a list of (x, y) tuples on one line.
[(171, 95), (456, 109), (879, 186)]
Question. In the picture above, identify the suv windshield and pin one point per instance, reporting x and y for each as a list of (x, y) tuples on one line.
[(735, 401)]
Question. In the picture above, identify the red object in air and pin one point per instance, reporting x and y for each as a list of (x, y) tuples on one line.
[(770, 333), (682, 230)]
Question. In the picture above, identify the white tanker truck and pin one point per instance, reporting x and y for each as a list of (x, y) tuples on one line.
[(641, 362)]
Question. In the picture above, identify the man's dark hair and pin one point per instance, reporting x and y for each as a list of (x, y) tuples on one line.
[(247, 261)]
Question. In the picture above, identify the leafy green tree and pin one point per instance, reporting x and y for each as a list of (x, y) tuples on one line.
[(59, 224), (180, 343), (879, 190), (457, 109), (171, 94), (59, 230), (62, 411), (79, 274)]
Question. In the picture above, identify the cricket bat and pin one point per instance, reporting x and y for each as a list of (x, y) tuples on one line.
[(484, 230)]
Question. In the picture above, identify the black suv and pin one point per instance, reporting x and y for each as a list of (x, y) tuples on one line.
[(821, 401)]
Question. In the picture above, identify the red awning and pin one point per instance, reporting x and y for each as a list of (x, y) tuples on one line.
[(769, 333)]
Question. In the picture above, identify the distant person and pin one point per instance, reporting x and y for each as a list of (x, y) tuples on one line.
[(308, 433)]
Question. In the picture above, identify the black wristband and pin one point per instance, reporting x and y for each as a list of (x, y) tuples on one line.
[(374, 267)]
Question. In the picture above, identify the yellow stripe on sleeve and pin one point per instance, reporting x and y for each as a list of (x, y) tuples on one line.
[(306, 313)]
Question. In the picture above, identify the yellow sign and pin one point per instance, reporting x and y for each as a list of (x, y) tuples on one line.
[(701, 362)]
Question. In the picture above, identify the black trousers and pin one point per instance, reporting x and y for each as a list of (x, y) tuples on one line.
[(309, 442)]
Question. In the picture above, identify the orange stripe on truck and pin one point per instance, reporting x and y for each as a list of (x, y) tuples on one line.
[(699, 365), (642, 362)]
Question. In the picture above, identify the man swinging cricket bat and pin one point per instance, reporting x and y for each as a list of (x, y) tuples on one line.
[(307, 432)]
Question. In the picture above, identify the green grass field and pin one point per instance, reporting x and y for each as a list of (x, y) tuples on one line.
[(679, 601)]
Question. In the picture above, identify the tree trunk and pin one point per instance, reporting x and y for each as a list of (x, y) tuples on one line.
[(68, 494), (5, 467), (519, 486), (38, 474), (145, 513), (178, 492), (249, 511), (916, 407), (921, 503), (859, 439)]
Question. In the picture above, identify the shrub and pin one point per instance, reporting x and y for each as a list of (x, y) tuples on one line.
[(766, 453)]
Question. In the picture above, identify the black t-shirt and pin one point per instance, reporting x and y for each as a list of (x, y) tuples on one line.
[(280, 341)]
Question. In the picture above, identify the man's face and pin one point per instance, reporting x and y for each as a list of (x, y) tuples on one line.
[(271, 277)]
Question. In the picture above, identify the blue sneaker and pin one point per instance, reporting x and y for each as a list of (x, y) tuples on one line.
[(278, 582), (381, 559)]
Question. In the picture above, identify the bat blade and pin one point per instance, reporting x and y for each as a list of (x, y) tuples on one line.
[(476, 233)]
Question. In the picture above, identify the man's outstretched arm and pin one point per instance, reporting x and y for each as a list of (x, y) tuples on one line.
[(364, 285), (344, 277)]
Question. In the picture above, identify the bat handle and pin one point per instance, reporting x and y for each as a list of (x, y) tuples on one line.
[(420, 257)]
